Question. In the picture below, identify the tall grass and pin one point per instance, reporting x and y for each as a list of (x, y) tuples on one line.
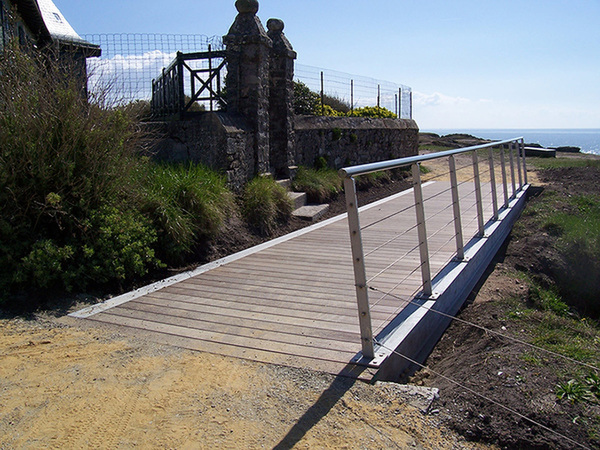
[(265, 205), (187, 203), (320, 185)]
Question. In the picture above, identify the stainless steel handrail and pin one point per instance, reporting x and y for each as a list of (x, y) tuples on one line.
[(348, 174)]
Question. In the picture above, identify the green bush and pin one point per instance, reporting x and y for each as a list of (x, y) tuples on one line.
[(373, 111), (265, 205), (187, 203), (321, 185), (305, 100), (67, 170)]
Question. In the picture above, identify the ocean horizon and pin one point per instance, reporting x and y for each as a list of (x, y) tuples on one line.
[(588, 139)]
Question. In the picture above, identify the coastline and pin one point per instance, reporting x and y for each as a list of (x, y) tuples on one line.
[(587, 139)]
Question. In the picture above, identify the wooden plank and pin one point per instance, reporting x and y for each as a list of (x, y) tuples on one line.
[(329, 341), (228, 339), (200, 316)]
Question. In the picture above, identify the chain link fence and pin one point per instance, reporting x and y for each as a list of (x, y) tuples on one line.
[(130, 62)]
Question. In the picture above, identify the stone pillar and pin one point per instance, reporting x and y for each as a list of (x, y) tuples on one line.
[(281, 96), (248, 49)]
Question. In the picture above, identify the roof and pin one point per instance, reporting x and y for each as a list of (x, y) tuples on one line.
[(46, 21)]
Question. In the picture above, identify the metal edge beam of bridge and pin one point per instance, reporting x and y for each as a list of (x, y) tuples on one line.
[(417, 329)]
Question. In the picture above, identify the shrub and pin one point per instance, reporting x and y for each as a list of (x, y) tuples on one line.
[(320, 185), (265, 205), (305, 100), (187, 204), (66, 168), (373, 111)]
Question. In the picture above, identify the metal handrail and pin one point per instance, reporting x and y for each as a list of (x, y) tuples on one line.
[(358, 257), (364, 169)]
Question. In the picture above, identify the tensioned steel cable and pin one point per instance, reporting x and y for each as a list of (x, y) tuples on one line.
[(488, 330), (391, 240), (477, 394), (408, 208)]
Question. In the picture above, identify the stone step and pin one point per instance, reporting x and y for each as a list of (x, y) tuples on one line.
[(286, 184), (298, 198), (311, 212)]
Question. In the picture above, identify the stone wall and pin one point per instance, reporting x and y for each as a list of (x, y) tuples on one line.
[(344, 141), (217, 140)]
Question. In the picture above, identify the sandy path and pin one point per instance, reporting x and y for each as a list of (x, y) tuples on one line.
[(64, 387)]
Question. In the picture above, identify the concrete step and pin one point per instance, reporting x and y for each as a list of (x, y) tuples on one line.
[(311, 212), (298, 198)]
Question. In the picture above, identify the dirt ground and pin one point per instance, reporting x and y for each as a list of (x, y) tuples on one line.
[(70, 387), (65, 386)]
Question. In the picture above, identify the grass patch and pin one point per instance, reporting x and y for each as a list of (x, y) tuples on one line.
[(265, 204), (559, 163), (320, 185), (187, 203)]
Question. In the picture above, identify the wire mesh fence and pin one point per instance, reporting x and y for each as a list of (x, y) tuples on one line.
[(130, 62), (357, 91)]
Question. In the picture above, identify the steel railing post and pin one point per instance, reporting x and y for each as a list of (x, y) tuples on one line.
[(460, 247), (504, 181), (493, 183), (360, 276), (518, 148), (512, 169), (422, 230), (522, 145), (478, 196)]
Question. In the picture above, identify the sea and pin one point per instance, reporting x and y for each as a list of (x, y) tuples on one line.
[(587, 139)]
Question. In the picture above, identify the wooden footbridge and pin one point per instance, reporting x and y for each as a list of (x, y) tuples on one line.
[(293, 301)]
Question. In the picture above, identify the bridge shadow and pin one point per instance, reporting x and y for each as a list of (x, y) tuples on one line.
[(342, 383)]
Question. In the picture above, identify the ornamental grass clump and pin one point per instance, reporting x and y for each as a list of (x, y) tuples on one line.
[(321, 185), (188, 204), (265, 205)]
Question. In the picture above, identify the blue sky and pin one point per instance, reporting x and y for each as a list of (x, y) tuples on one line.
[(470, 63)]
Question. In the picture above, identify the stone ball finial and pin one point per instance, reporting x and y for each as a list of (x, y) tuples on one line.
[(247, 6), (275, 26)]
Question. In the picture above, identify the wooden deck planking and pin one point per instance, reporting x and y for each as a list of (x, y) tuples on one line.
[(294, 303)]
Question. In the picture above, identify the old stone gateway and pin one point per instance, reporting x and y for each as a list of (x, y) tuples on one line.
[(256, 131)]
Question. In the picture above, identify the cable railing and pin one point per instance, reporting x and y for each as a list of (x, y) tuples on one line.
[(460, 212)]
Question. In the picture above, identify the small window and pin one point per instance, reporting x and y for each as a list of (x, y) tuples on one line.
[(57, 17)]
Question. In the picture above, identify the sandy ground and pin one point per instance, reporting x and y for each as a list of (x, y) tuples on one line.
[(71, 387)]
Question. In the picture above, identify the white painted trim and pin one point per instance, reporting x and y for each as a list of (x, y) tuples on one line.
[(124, 298)]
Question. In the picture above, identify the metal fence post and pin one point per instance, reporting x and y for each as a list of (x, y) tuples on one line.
[(422, 230), (180, 87), (493, 183), (511, 150), (478, 197), (518, 148), (504, 182), (460, 247), (360, 277), (522, 145)]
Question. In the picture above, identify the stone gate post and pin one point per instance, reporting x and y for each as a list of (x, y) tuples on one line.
[(248, 53), (281, 97)]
